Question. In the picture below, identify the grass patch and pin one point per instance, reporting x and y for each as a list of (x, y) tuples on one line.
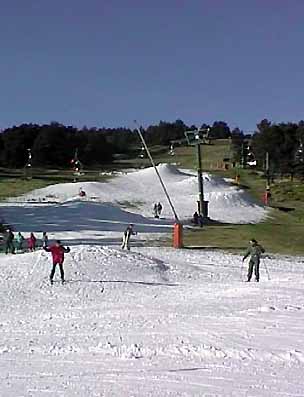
[(14, 184), (278, 235), (282, 232), (185, 156)]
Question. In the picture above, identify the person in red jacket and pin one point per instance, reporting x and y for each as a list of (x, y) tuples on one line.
[(57, 250), (31, 242)]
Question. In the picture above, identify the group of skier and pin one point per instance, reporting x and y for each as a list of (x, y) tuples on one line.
[(14, 244), (254, 251)]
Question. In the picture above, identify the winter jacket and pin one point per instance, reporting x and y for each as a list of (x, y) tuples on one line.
[(255, 251), (128, 232), (57, 253), (9, 237), (19, 238), (45, 240), (31, 242)]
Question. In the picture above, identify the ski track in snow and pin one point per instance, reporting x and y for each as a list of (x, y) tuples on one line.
[(150, 322)]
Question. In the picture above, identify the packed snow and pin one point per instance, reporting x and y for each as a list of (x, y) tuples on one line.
[(137, 191), (150, 322), (153, 321)]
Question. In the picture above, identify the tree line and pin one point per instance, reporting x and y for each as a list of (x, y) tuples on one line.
[(54, 144), (282, 141)]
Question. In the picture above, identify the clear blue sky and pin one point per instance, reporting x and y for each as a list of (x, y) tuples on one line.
[(107, 62)]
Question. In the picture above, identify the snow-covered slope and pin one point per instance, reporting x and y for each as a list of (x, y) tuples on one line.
[(155, 322), (137, 191)]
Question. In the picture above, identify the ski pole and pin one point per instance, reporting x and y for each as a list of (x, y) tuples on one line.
[(73, 260), (242, 267), (268, 275), (34, 267)]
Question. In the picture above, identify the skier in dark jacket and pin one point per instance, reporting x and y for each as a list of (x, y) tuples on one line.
[(45, 240), (255, 251), (57, 250), (126, 237), (159, 208), (9, 241), (155, 210)]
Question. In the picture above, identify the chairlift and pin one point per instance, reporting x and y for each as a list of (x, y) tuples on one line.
[(142, 154), (299, 154), (28, 165), (77, 165), (171, 151), (251, 160)]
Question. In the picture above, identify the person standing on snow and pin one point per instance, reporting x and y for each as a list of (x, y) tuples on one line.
[(159, 208), (19, 242), (126, 237), (9, 242), (45, 240), (155, 210), (31, 242), (255, 251), (57, 250)]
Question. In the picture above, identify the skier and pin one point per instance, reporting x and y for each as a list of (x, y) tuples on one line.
[(159, 208), (155, 210), (31, 242), (19, 241), (57, 250), (255, 251), (200, 220), (9, 242), (126, 237), (82, 193), (195, 218), (45, 240)]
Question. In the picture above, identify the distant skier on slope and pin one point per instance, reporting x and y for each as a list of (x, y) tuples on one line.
[(155, 211), (31, 242), (19, 242), (57, 250), (194, 219), (255, 251), (126, 237), (45, 240), (9, 242), (159, 208)]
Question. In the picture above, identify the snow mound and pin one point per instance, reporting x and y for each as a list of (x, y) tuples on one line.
[(136, 193), (153, 322)]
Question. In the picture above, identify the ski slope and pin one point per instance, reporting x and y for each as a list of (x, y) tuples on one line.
[(150, 322), (109, 206)]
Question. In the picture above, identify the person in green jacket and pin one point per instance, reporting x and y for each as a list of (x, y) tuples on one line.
[(255, 251), (19, 242)]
